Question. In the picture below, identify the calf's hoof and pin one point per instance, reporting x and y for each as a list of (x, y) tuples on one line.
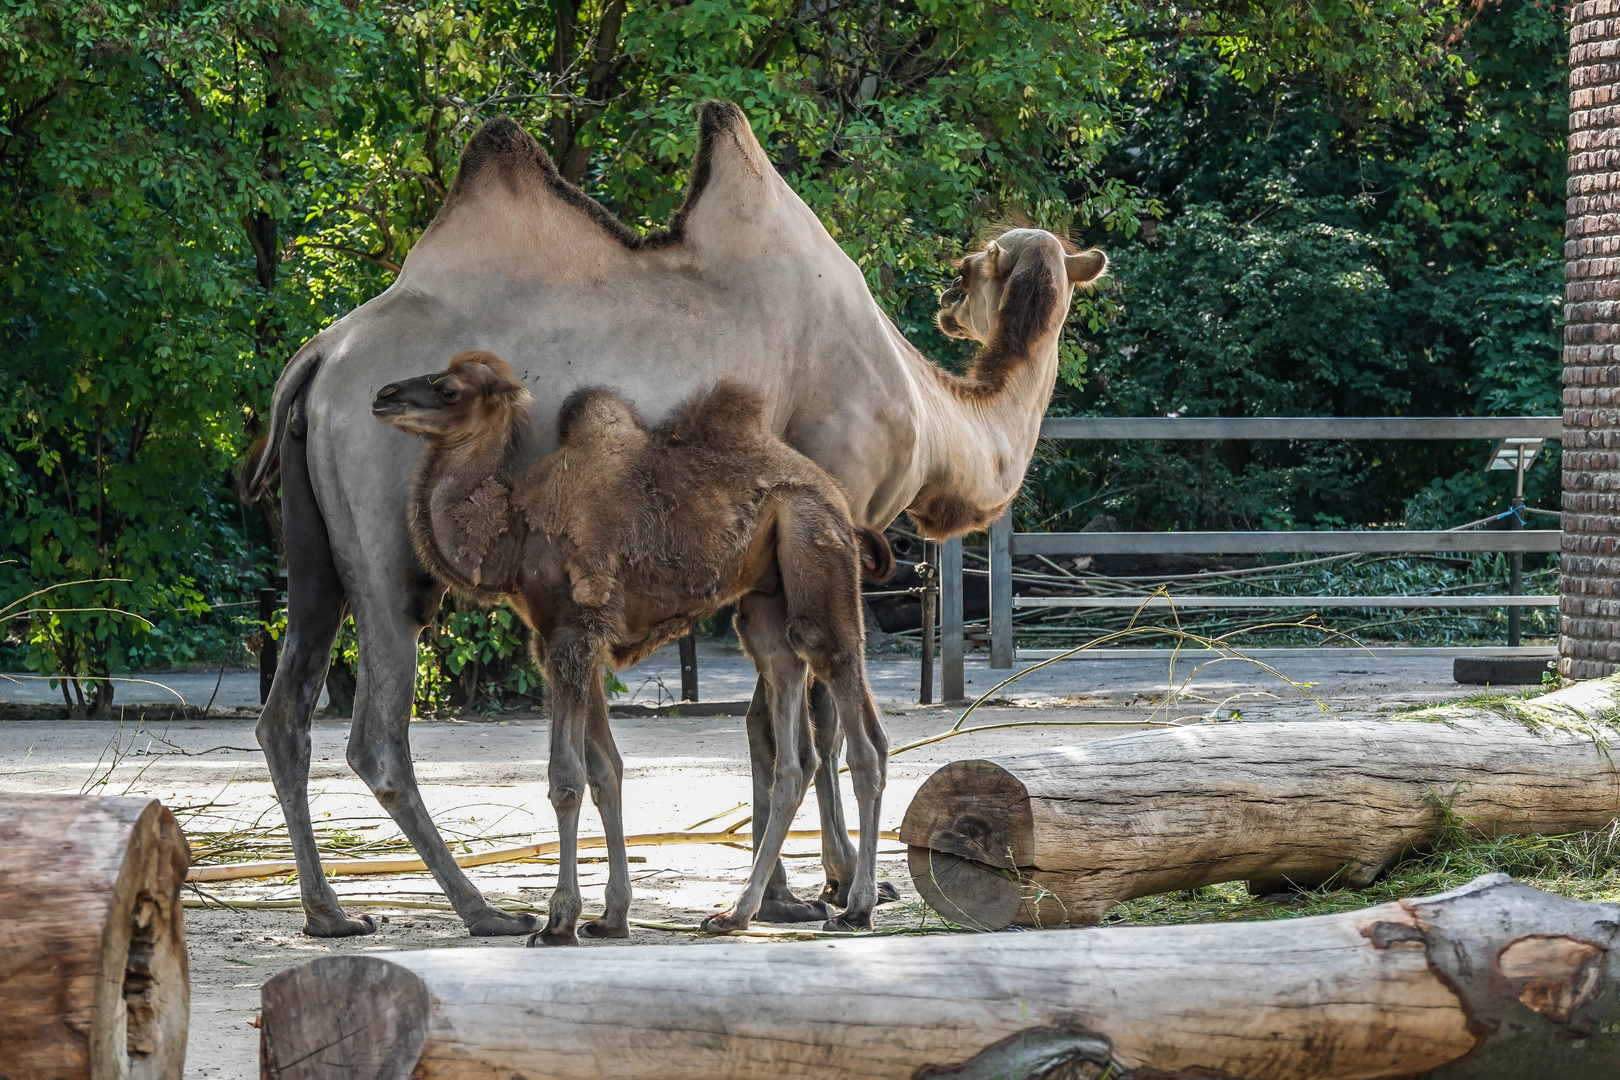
[(887, 893), (495, 923), (604, 928), (339, 925)]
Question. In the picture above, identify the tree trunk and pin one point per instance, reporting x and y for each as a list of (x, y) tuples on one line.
[(1493, 980), (1060, 836), (93, 980), (1589, 641)]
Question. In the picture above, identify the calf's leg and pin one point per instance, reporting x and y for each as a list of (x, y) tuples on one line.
[(760, 624), (605, 771)]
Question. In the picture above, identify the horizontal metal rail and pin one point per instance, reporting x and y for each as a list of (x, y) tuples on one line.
[(1183, 602), (1304, 427), (1192, 655), (1004, 543), (1390, 541)]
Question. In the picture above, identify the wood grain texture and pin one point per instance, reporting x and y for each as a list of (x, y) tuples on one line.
[(93, 976), (1059, 836), (1479, 983)]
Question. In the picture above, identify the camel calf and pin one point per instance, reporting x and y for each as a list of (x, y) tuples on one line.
[(619, 541)]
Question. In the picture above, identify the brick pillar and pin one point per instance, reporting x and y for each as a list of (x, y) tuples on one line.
[(1589, 641)]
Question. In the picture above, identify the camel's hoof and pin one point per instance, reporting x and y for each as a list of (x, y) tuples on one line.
[(493, 923), (339, 925), (847, 923), (838, 897), (551, 939), (793, 911), (602, 928), (724, 923)]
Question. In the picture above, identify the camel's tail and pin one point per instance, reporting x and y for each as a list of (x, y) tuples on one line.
[(877, 559), (263, 460)]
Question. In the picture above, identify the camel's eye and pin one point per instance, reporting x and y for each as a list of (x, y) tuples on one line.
[(448, 393)]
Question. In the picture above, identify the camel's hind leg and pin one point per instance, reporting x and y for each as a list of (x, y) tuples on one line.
[(761, 622), (868, 751), (779, 904), (315, 610), (821, 584)]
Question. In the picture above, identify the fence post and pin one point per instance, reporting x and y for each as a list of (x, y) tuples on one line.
[(950, 621), (689, 687), (1001, 624), (929, 571), (267, 652)]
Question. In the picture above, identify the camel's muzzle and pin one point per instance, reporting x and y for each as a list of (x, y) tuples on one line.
[(397, 397)]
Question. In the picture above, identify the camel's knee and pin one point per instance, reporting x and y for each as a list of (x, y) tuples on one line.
[(281, 736), (567, 786), (792, 779), (813, 640), (605, 784), (382, 770)]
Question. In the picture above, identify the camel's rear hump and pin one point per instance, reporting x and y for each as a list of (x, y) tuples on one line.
[(730, 416)]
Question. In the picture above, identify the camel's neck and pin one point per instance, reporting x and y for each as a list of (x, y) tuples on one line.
[(461, 513), (978, 433)]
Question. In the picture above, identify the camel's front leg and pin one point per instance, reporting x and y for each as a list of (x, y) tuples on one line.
[(380, 749), (606, 773), (761, 624)]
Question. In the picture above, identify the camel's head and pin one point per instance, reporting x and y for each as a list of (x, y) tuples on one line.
[(971, 305), (477, 389)]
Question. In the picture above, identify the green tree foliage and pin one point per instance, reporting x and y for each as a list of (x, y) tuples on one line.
[(142, 150), (196, 187), (1318, 261)]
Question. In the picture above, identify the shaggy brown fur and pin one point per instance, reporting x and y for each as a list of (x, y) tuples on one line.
[(619, 541)]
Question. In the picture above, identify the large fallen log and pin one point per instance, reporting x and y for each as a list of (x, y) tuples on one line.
[(1059, 836), (93, 978), (1493, 980)]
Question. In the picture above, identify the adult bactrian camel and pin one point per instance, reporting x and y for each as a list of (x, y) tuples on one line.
[(745, 283), (616, 542)]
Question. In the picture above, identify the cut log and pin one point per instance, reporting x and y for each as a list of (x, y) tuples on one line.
[(1059, 836), (93, 978), (1493, 980)]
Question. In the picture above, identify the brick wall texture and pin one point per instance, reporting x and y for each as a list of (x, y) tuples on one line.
[(1589, 642)]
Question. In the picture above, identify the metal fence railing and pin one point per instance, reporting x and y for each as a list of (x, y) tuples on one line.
[(1005, 544)]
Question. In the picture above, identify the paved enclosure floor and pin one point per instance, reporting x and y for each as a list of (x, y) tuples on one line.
[(485, 781)]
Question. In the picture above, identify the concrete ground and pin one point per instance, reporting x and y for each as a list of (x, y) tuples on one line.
[(485, 782)]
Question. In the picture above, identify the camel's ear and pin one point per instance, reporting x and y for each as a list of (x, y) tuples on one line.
[(994, 257), (1086, 268), (733, 185)]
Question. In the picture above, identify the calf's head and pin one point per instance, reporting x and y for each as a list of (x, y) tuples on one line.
[(477, 389)]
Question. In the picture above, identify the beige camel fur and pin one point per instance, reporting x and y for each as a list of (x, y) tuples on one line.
[(617, 542), (745, 283)]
